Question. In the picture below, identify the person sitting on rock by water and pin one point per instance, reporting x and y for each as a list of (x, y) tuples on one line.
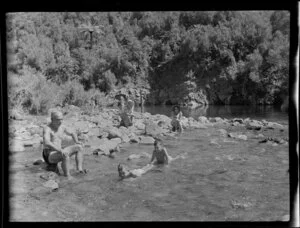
[(53, 153), (126, 110), (176, 116), (160, 156)]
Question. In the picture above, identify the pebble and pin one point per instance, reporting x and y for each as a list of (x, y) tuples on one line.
[(38, 162), (51, 184)]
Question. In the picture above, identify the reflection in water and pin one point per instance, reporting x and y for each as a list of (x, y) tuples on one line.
[(269, 113)]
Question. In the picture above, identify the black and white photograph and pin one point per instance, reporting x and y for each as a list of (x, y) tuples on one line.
[(149, 115)]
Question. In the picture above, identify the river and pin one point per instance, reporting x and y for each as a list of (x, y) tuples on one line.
[(218, 179), (269, 113)]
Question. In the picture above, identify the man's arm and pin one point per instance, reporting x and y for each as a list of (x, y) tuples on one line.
[(167, 156), (73, 134), (130, 105), (47, 141), (152, 158), (180, 115)]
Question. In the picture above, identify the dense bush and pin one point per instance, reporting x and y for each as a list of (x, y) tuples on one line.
[(235, 57)]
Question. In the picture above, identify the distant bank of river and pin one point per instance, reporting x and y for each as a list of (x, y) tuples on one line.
[(269, 113)]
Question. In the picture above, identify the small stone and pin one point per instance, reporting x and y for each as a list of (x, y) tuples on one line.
[(16, 146), (243, 137), (223, 132), (112, 155), (263, 150), (235, 124), (117, 149), (38, 162), (134, 140), (202, 119), (253, 125), (238, 120), (146, 140), (51, 184)]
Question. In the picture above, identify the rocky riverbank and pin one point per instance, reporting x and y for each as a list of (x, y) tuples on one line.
[(100, 131)]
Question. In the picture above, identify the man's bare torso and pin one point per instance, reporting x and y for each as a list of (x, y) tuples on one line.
[(56, 136), (160, 155)]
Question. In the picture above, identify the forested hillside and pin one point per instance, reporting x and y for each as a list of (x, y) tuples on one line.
[(223, 57)]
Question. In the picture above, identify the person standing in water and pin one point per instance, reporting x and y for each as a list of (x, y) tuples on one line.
[(160, 156), (176, 119), (53, 153), (126, 110)]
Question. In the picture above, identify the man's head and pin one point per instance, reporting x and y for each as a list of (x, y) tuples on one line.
[(56, 117), (158, 143), (176, 108)]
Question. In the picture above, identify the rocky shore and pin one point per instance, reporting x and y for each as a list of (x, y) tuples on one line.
[(100, 132)]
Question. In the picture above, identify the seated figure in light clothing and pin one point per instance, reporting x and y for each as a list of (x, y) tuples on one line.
[(53, 153)]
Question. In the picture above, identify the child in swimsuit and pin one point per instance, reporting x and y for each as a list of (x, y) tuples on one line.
[(159, 156)]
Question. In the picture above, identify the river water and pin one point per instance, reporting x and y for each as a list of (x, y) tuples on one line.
[(269, 113), (219, 179)]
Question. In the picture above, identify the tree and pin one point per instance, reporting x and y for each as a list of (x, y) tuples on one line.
[(89, 29)]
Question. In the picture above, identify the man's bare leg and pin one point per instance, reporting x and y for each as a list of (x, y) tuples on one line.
[(125, 173), (79, 160), (77, 150), (178, 156), (65, 165)]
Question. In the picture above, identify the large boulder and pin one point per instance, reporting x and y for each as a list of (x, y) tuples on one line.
[(238, 120), (216, 120), (223, 132), (52, 184), (197, 125), (81, 126), (16, 146), (15, 115), (237, 136), (134, 138), (273, 125), (203, 119), (152, 129), (96, 132), (139, 124), (34, 142), (146, 140), (184, 122), (105, 144), (114, 133), (139, 156), (254, 125)]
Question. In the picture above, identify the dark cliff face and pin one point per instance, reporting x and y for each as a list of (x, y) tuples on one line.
[(212, 95)]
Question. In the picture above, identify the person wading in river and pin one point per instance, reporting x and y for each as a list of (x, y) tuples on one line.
[(160, 156), (53, 152), (126, 110), (176, 116)]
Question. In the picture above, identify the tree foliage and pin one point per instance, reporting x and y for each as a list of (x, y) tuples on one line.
[(236, 57)]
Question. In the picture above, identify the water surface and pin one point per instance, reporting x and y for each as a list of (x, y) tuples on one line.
[(269, 113), (233, 180)]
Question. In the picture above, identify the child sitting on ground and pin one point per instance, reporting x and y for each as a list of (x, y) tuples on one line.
[(159, 156)]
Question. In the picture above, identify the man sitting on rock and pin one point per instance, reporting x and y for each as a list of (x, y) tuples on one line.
[(126, 110), (53, 152), (160, 156), (176, 116)]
